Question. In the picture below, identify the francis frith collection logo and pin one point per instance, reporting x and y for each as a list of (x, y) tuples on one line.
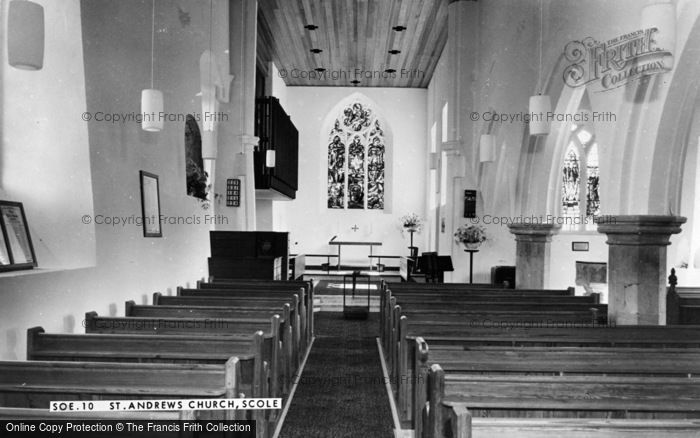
[(616, 62)]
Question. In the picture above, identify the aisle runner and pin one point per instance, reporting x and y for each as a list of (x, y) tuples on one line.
[(341, 393)]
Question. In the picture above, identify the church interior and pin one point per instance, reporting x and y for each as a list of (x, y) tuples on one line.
[(398, 218)]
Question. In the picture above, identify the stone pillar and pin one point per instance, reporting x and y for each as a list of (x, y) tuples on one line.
[(532, 247), (637, 267), (236, 139)]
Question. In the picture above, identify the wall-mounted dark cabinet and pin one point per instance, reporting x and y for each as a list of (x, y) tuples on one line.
[(276, 132)]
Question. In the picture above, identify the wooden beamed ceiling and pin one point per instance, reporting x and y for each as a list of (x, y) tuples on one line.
[(354, 38)]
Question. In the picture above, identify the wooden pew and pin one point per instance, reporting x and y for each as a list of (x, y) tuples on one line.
[(258, 285), (683, 305), (305, 312), (543, 396), (256, 359), (462, 320), (204, 326), (468, 287), (591, 361), (456, 336), (292, 330), (290, 351), (464, 425), (25, 384), (446, 292), (231, 312)]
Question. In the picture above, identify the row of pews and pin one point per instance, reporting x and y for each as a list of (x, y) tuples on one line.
[(222, 339), (477, 361)]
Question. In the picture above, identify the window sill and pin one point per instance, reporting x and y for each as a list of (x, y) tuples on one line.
[(35, 271)]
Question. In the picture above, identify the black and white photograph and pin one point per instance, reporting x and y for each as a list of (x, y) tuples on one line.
[(350, 218)]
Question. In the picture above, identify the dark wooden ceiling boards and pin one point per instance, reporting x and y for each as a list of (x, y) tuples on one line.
[(355, 37)]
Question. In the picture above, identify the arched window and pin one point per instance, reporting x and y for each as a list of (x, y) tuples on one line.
[(580, 181), (356, 182)]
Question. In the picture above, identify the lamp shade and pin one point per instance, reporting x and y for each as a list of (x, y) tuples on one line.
[(661, 14), (25, 35), (487, 148), (540, 106), (270, 158), (151, 110), (209, 144)]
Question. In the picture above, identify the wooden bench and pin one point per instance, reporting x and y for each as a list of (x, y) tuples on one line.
[(294, 333), (452, 396), (305, 301), (455, 287), (464, 425), (459, 292), (592, 361), (289, 338), (257, 360), (455, 336), (683, 305), (25, 384)]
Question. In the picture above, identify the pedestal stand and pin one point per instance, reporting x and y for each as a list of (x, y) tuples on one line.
[(471, 262)]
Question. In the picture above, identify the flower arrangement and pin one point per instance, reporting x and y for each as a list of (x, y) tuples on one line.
[(411, 222), (472, 234)]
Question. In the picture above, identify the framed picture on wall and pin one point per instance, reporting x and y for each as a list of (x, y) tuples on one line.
[(16, 249), (150, 205)]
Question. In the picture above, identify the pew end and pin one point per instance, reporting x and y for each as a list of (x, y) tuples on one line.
[(90, 318), (32, 334), (129, 307)]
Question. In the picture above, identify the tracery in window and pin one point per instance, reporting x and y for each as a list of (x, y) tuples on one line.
[(580, 189), (357, 135)]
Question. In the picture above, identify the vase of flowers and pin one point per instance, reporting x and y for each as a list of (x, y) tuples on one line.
[(471, 236), (411, 223)]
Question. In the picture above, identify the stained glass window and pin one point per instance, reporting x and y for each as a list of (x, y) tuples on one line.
[(571, 180), (592, 196), (357, 135), (580, 181)]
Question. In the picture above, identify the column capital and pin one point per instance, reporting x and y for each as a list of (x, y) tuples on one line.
[(640, 230), (248, 142), (534, 232)]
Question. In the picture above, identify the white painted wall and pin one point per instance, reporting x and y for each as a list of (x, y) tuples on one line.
[(62, 168), (310, 222)]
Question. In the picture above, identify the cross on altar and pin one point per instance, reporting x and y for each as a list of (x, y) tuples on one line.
[(355, 228)]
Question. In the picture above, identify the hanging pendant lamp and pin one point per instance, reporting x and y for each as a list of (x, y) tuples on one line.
[(25, 35), (270, 158), (540, 106), (152, 99), (487, 148)]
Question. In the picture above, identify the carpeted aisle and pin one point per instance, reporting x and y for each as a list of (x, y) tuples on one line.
[(341, 393)]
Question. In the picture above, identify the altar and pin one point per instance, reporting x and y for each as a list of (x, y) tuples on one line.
[(340, 243)]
